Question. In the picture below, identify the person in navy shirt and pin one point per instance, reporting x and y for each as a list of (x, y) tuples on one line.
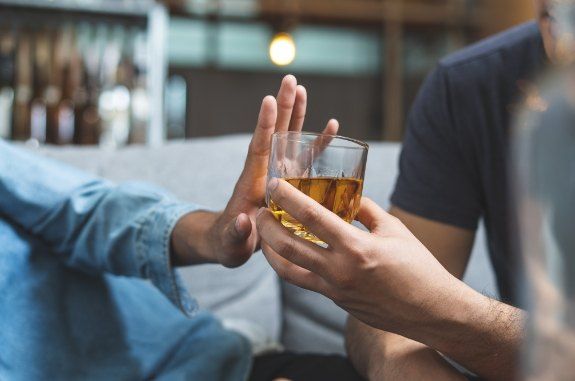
[(408, 302)]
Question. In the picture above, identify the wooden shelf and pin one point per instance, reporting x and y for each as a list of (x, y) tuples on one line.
[(392, 17), (111, 8), (367, 13), (374, 12)]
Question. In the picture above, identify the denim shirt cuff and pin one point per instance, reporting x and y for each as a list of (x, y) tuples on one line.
[(154, 250)]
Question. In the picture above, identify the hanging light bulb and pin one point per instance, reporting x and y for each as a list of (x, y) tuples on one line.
[(282, 49)]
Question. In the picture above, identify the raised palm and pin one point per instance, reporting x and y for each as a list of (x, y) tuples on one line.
[(234, 235)]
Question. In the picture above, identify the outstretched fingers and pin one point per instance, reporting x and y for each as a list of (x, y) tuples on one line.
[(286, 101), (261, 141), (299, 110), (323, 141), (331, 128)]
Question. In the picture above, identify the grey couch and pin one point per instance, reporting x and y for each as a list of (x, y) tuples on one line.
[(204, 171)]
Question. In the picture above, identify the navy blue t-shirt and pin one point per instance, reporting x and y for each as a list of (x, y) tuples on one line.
[(453, 167)]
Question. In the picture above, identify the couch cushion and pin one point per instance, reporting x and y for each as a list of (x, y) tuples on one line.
[(203, 172)]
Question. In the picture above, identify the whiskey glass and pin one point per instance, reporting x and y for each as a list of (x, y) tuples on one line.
[(328, 168)]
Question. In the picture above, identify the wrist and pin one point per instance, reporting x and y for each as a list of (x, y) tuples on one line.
[(193, 239), (481, 334), (452, 315)]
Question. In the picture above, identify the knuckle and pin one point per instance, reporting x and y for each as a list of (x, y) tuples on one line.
[(353, 244), (278, 194), (288, 249), (335, 296), (256, 150), (283, 273), (285, 103), (259, 222), (395, 220), (342, 279), (289, 278), (310, 213), (367, 257)]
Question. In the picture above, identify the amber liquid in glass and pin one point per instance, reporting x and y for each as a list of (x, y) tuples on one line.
[(339, 195)]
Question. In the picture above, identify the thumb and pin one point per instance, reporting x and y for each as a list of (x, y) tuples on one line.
[(373, 217), (238, 230), (235, 242)]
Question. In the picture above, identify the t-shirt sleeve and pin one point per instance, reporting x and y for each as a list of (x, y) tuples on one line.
[(436, 171)]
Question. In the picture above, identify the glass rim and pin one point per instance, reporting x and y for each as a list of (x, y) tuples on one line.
[(362, 145)]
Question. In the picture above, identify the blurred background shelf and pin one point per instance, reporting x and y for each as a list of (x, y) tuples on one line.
[(204, 65), (363, 60), (70, 60)]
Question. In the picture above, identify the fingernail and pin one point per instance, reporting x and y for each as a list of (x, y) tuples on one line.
[(273, 184), (260, 211), (289, 77)]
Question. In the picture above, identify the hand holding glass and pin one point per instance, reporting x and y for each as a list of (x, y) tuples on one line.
[(330, 169)]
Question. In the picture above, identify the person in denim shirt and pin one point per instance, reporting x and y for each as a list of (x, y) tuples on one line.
[(87, 286)]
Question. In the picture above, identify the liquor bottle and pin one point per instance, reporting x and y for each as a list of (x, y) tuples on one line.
[(53, 91), (87, 117), (41, 91), (23, 94), (140, 110), (7, 62), (176, 5), (114, 101), (65, 119)]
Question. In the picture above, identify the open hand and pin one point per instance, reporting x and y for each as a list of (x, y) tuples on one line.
[(230, 237)]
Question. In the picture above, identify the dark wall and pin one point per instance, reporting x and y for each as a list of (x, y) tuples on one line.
[(227, 102)]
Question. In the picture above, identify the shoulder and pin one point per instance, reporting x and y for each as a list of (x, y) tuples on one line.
[(523, 40)]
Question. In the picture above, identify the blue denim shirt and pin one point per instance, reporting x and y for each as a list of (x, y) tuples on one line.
[(86, 287)]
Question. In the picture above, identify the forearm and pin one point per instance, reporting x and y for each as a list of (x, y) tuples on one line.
[(379, 355), (90, 223), (365, 347), (479, 333)]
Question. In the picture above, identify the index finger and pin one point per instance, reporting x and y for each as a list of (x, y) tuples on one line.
[(324, 224), (260, 144)]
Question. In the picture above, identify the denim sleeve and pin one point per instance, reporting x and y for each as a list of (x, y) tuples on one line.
[(91, 224)]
